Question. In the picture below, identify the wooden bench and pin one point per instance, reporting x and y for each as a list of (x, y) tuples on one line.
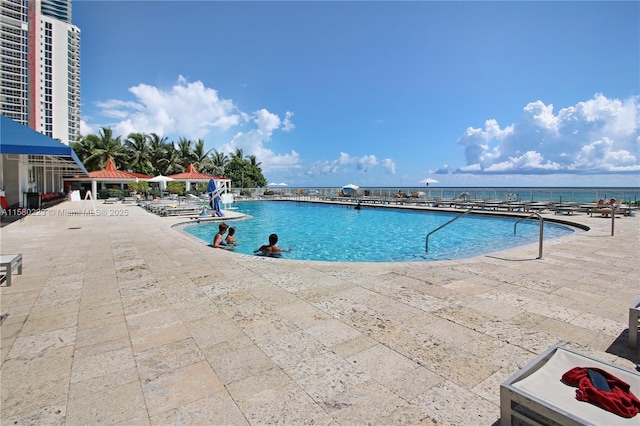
[(634, 324), (9, 262)]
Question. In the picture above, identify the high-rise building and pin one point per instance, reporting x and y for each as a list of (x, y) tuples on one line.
[(40, 66)]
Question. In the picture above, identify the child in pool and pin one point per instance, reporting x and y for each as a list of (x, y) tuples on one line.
[(231, 239)]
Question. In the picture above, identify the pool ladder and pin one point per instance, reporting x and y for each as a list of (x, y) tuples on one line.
[(514, 229)]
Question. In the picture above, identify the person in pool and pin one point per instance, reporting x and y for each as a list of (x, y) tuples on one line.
[(272, 248), (231, 239), (218, 239)]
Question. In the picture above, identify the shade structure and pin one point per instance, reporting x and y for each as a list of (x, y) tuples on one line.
[(192, 175), (348, 188), (277, 184), (162, 180), (110, 173), (427, 181), (22, 140)]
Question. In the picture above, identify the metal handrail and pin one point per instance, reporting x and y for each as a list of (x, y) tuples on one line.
[(442, 226), (541, 230)]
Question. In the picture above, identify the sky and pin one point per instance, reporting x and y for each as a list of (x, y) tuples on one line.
[(377, 93)]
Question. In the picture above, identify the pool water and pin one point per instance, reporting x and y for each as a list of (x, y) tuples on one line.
[(337, 233)]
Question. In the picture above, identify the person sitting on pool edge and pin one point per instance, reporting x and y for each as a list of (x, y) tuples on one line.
[(218, 239), (272, 248)]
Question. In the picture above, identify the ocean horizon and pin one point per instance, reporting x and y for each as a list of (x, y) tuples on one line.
[(629, 194)]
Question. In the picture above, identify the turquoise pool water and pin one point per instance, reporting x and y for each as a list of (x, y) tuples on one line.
[(336, 233)]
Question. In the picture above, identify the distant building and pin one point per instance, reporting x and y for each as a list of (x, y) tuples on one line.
[(40, 66)]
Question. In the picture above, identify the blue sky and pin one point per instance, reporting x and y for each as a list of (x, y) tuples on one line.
[(377, 93)]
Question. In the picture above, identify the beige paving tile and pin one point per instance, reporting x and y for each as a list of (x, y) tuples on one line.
[(102, 363), (110, 406), (32, 346), (294, 342), (217, 409), (449, 404), (283, 405), (51, 415), (45, 379), (164, 359), (238, 364), (179, 387), (273, 378), (155, 327)]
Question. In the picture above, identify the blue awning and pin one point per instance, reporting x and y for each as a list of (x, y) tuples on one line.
[(18, 139)]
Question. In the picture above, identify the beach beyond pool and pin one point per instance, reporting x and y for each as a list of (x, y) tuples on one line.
[(122, 319)]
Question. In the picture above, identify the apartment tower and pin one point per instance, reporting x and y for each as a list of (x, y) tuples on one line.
[(40, 66)]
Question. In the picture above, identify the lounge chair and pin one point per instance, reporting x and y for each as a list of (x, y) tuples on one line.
[(606, 208), (9, 262), (634, 324), (536, 395)]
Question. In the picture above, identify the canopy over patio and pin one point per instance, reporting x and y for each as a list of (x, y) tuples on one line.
[(33, 163), (109, 175), (192, 175)]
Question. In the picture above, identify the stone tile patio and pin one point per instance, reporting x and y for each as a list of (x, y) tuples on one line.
[(122, 319)]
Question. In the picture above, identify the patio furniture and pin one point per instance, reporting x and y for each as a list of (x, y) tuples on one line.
[(634, 324), (9, 262), (536, 395)]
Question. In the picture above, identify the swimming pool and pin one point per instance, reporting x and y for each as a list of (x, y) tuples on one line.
[(337, 233)]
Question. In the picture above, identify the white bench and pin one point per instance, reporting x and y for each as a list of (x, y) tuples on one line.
[(535, 395), (634, 324), (9, 262)]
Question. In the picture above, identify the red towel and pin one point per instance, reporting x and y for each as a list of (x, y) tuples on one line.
[(620, 400)]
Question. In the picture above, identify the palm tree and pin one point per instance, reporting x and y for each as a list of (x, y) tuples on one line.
[(103, 147), (171, 162), (139, 151), (83, 148), (185, 151), (219, 161), (239, 154), (158, 148), (253, 161), (201, 159)]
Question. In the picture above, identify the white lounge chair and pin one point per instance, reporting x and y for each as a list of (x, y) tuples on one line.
[(536, 395)]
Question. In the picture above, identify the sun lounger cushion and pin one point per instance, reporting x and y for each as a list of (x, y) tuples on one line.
[(619, 400), (539, 388)]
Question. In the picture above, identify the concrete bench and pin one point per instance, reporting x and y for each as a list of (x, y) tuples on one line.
[(634, 324), (9, 262)]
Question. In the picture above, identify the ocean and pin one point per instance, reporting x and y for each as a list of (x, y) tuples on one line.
[(556, 194)]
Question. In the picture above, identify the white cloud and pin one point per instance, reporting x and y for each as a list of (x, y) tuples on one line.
[(366, 162), (287, 124), (186, 109), (389, 166), (191, 110), (596, 136), (267, 122), (344, 163)]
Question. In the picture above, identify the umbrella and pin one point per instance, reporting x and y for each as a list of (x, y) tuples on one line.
[(428, 181), (162, 180), (277, 184), (349, 187)]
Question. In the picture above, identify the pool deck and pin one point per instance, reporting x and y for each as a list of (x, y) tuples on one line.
[(121, 319)]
